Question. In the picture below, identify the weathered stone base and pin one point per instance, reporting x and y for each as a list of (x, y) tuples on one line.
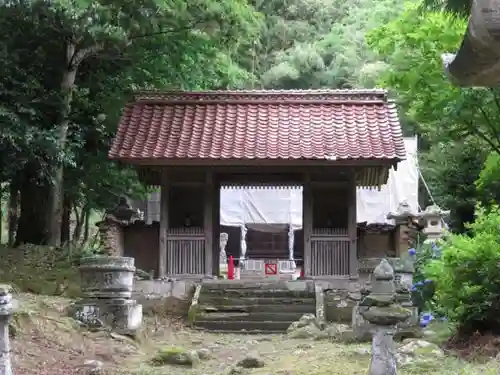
[(363, 329), (121, 315), (165, 297), (339, 305)]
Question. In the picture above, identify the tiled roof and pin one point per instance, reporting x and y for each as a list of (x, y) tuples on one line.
[(249, 125)]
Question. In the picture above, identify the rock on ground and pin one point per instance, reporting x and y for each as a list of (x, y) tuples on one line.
[(308, 327), (418, 351)]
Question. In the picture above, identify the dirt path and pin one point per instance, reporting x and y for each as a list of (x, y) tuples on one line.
[(49, 343)]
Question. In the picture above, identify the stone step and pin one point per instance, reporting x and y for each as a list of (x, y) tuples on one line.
[(230, 292), (304, 285), (239, 332), (223, 301), (249, 317), (257, 308), (247, 326)]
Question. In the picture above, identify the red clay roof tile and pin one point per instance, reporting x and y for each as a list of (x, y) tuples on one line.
[(314, 125)]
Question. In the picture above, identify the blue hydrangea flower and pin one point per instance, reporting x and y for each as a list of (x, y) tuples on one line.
[(412, 251), (423, 324), (428, 281), (427, 317)]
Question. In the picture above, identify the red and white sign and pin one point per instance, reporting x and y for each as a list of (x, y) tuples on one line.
[(271, 268)]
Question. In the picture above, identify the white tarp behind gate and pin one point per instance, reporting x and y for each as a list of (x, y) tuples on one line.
[(284, 205)]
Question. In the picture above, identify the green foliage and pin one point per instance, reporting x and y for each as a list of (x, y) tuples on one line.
[(307, 44), (457, 127), (467, 275), (450, 170), (489, 179)]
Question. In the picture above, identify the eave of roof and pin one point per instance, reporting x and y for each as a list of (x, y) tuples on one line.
[(327, 126)]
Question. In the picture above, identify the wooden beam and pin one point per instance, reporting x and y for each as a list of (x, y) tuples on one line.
[(352, 228), (208, 224), (307, 224), (164, 203), (216, 226)]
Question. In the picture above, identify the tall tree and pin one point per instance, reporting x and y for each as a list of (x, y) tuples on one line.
[(67, 60), (458, 127)]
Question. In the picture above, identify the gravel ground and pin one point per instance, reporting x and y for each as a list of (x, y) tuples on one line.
[(48, 343)]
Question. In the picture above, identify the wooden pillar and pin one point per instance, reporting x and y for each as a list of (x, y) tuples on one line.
[(208, 224), (352, 227), (216, 226), (307, 222), (164, 203)]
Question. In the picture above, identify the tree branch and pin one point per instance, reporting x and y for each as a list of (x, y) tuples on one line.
[(162, 32), (495, 133), (484, 137), (82, 54)]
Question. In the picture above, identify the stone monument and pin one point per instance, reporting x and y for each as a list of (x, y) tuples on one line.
[(381, 310), (6, 311), (107, 280), (224, 237)]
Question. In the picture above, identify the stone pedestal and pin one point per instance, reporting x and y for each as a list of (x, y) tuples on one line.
[(383, 360), (107, 284), (122, 315), (6, 311), (107, 280), (380, 309)]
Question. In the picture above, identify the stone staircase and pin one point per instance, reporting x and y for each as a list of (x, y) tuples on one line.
[(251, 306)]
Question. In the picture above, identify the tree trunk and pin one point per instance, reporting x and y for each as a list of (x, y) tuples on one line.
[(57, 191), (80, 221), (86, 231), (1, 216), (33, 225), (12, 210), (66, 221)]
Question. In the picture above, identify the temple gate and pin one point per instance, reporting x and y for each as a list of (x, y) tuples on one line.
[(191, 144)]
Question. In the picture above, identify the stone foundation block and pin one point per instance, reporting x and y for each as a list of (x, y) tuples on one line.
[(121, 315), (339, 305)]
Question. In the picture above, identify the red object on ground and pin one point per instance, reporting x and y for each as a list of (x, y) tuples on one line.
[(230, 268), (302, 273)]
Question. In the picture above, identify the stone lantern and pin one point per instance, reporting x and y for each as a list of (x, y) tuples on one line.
[(382, 311), (433, 222)]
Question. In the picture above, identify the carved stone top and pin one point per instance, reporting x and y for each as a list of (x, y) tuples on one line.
[(123, 213), (223, 238), (403, 212), (383, 271), (433, 211)]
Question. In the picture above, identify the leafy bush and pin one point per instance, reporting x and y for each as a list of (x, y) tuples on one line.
[(466, 277)]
